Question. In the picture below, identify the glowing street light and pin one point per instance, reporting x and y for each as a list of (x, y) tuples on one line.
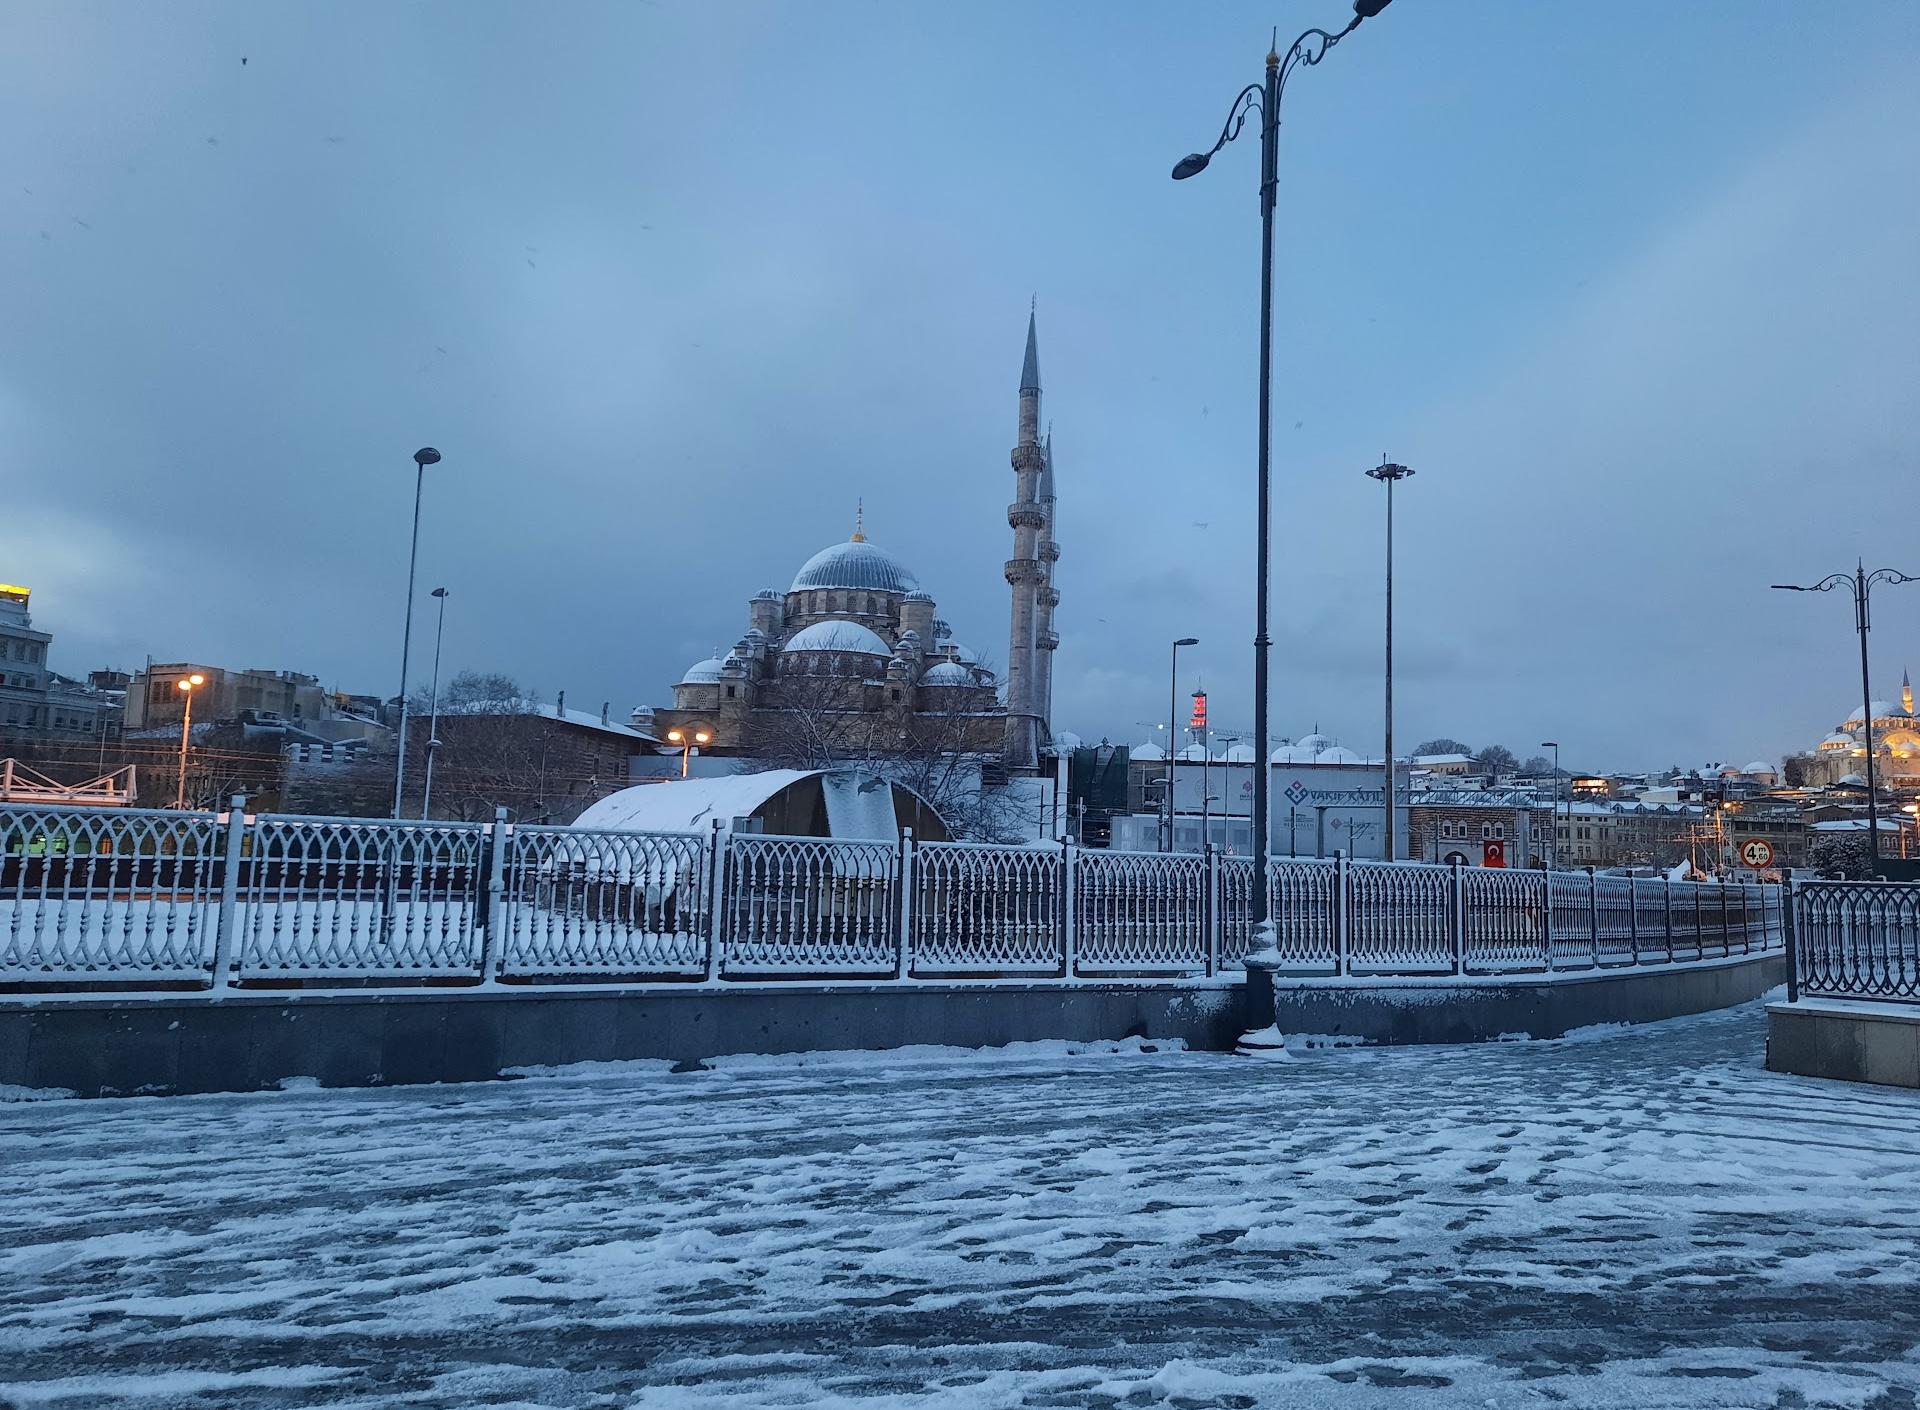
[(686, 739), (187, 684)]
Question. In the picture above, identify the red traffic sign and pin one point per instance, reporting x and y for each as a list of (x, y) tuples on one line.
[(1493, 854), (1757, 853)]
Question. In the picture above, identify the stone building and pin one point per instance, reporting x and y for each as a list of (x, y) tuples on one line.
[(155, 700), (855, 647), (1896, 747), (36, 702)]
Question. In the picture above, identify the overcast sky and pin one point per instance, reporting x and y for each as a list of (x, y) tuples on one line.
[(1633, 287)]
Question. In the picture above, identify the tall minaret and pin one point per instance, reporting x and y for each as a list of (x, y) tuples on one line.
[(1026, 571), (1906, 693)]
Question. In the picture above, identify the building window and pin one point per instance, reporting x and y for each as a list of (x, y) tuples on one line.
[(895, 692), (729, 692)]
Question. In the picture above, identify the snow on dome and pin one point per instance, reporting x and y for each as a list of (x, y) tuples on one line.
[(1315, 742), (1760, 766), (1837, 740), (1193, 754), (705, 672), (962, 653), (1882, 709), (1338, 755), (1293, 754), (918, 596), (947, 673), (1239, 754), (1065, 742), (1853, 781), (838, 636), (858, 564), (1149, 752)]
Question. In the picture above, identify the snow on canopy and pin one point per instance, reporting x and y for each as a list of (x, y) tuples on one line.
[(840, 803), (688, 804)]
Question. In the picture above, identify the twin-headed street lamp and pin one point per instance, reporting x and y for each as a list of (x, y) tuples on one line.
[(686, 739), (1309, 49), (1859, 585), (187, 686)]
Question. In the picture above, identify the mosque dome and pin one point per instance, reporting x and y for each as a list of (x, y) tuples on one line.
[(1301, 753), (1760, 766), (963, 654), (1315, 742), (855, 564), (947, 673), (1149, 753), (705, 672), (1238, 754), (1882, 710), (1837, 740), (1337, 755), (838, 636)]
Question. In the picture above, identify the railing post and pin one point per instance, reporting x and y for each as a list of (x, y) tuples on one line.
[(1669, 905), (1212, 906), (229, 894), (717, 902), (1069, 907), (1790, 917), (902, 964), (1342, 913), (1546, 913), (1633, 915), (1726, 934), (1459, 908), (493, 935), (1593, 913)]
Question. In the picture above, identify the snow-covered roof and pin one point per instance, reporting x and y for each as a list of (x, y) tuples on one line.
[(1882, 710), (1193, 754), (1837, 740), (1149, 753), (1430, 759), (584, 719), (1315, 742), (1065, 741), (1337, 755), (837, 635), (687, 805), (1760, 766), (947, 673), (857, 564), (1238, 754), (1854, 825), (1299, 753), (705, 672)]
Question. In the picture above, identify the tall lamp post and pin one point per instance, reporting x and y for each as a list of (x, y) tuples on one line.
[(1389, 474), (1553, 855), (686, 739), (187, 684), (1309, 49), (433, 704), (1860, 583), (422, 458), (1173, 727)]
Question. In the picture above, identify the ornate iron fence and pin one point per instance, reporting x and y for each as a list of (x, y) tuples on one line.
[(112, 897), (1856, 940)]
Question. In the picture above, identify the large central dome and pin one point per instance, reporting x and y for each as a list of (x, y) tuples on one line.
[(857, 564)]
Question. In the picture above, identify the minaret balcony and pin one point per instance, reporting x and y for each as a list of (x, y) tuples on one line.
[(1050, 551), (1048, 641), (1029, 457), (1025, 570), (1026, 514)]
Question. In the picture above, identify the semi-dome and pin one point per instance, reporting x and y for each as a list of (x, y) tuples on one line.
[(838, 636), (1837, 740), (705, 672), (856, 564), (947, 673)]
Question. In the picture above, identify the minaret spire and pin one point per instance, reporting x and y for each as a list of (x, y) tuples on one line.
[(859, 521), (1906, 693), (1026, 570), (1030, 369)]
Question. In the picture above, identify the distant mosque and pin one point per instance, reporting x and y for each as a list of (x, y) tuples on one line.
[(854, 632), (1842, 756)]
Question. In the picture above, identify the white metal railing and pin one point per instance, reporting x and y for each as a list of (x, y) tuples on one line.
[(115, 897)]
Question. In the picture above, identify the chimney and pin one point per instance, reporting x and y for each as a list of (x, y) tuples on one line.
[(606, 712), (560, 706)]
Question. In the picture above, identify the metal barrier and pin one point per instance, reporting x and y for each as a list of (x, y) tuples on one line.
[(113, 897), (1856, 940)]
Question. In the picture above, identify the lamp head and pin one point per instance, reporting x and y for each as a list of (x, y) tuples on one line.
[(426, 455), (701, 737), (674, 736), (439, 592), (1549, 744), (1188, 641), (1190, 166), (1367, 9)]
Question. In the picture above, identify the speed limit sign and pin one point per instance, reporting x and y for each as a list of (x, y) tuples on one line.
[(1756, 853)]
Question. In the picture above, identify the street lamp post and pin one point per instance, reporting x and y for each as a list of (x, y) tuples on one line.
[(1860, 583), (187, 685), (686, 739), (1309, 49), (422, 458), (1389, 474), (1553, 857), (433, 704), (1173, 727)]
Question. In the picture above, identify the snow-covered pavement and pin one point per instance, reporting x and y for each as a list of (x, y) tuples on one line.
[(1639, 1217)]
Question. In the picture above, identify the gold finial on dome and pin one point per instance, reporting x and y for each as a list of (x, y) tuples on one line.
[(859, 521)]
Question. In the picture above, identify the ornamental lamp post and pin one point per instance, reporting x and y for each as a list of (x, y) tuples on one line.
[(433, 704), (1860, 584), (1309, 49), (686, 739)]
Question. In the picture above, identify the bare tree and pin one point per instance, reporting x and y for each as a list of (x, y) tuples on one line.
[(1442, 745)]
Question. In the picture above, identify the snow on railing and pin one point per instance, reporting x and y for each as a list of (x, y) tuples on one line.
[(1856, 940), (92, 897)]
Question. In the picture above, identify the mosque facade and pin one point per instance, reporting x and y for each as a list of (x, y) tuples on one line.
[(1842, 756), (854, 639)]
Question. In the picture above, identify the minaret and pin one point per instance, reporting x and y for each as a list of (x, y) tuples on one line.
[(1026, 571), (1906, 693)]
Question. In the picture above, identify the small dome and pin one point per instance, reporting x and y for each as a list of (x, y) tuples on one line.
[(1293, 754), (1066, 742), (1338, 755), (962, 653), (837, 635), (705, 672), (1853, 781), (1193, 754), (766, 595), (947, 673), (1315, 742), (858, 564), (1148, 753), (1239, 754), (1760, 766), (918, 596), (1837, 740)]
